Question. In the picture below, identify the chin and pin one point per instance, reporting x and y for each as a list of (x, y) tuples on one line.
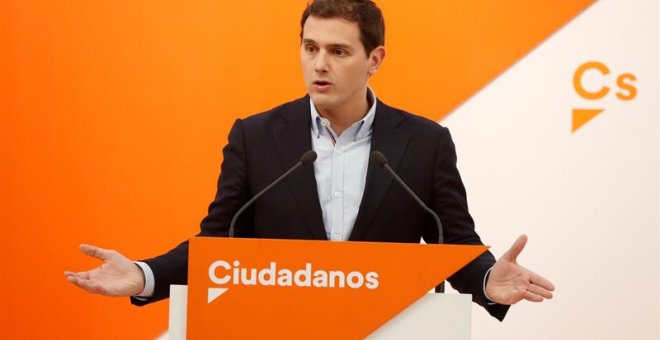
[(322, 100)]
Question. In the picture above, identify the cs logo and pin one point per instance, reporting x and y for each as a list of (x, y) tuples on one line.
[(625, 90)]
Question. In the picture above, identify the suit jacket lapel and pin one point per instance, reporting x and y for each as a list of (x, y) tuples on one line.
[(293, 138), (392, 142)]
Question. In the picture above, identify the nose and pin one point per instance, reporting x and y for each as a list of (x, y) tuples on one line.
[(321, 62)]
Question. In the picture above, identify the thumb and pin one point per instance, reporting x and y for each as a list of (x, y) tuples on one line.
[(516, 248), (96, 252)]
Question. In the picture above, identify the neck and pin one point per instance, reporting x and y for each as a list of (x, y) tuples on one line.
[(342, 117)]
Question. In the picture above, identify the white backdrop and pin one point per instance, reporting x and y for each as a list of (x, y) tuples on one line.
[(587, 199)]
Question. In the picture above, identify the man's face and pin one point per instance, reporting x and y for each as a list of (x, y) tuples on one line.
[(334, 62)]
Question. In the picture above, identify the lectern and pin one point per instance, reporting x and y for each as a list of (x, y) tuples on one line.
[(258, 288)]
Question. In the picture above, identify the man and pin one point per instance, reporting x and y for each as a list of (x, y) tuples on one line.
[(343, 196)]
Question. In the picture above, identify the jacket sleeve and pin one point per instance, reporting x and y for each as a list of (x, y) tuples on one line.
[(232, 192), (449, 201)]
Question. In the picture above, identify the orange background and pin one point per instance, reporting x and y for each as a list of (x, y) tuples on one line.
[(113, 115)]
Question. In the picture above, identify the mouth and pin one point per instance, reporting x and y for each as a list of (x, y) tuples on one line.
[(321, 85)]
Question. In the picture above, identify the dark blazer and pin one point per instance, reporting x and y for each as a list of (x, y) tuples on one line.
[(264, 146)]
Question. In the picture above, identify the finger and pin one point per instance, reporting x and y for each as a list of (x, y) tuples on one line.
[(546, 294), (87, 285), (82, 275), (517, 296), (96, 252), (542, 282), (516, 248), (529, 296), (507, 297), (76, 280)]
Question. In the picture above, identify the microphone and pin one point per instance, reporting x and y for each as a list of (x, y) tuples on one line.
[(307, 158), (380, 160)]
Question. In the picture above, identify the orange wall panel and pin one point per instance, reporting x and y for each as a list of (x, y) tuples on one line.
[(113, 115)]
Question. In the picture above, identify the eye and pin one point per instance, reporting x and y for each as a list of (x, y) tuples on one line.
[(340, 52), (310, 48)]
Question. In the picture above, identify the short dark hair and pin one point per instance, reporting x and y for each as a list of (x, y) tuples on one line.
[(365, 12)]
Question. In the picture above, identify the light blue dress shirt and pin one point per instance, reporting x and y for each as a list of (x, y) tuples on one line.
[(340, 169)]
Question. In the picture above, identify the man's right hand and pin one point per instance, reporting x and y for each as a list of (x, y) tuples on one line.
[(117, 276)]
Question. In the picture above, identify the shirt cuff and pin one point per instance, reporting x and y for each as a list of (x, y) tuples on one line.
[(489, 301), (149, 281)]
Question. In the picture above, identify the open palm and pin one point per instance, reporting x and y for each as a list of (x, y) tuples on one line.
[(117, 276), (510, 282)]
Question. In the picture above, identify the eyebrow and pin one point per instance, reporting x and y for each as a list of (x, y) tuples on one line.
[(330, 46)]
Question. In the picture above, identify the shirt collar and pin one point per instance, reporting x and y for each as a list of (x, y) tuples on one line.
[(366, 121)]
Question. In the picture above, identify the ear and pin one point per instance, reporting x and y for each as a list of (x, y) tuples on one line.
[(376, 59)]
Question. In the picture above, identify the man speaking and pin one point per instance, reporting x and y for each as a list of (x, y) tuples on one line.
[(345, 195)]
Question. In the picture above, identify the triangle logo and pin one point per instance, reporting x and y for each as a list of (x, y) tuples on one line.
[(583, 116), (214, 293)]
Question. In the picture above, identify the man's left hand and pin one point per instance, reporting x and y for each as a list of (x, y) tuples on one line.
[(509, 282)]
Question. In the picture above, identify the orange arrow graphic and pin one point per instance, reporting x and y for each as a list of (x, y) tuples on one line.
[(583, 116)]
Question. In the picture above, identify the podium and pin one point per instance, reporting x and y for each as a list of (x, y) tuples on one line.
[(433, 316), (257, 288)]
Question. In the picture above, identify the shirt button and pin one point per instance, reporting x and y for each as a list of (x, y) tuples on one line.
[(337, 193), (339, 152)]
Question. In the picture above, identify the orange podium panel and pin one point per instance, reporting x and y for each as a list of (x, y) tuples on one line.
[(263, 288)]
